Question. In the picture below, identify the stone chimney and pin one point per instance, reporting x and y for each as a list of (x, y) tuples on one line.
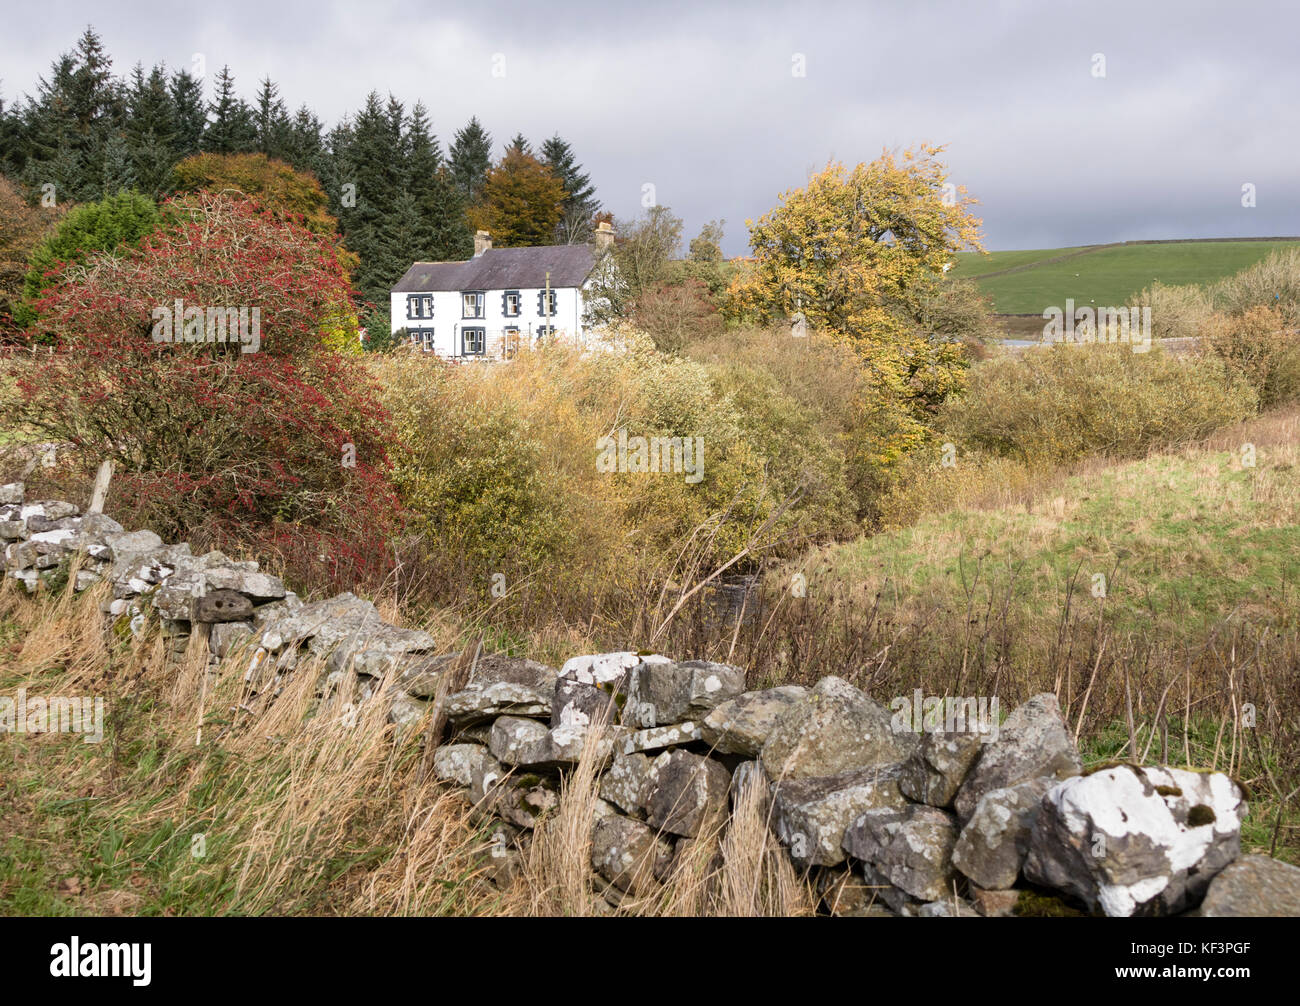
[(604, 237), (482, 242)]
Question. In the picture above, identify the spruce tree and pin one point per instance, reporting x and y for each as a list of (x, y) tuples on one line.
[(151, 133), (232, 129), (471, 156), (580, 203), (272, 122), (189, 113)]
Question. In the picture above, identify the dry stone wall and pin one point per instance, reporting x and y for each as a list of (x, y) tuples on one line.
[(894, 822)]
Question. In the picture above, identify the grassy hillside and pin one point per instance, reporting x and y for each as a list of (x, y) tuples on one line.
[(1108, 275), (1198, 616)]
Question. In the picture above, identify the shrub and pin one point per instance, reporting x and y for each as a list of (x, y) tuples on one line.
[(498, 465), (673, 314), (209, 440), (1057, 405), (118, 222), (22, 227), (1257, 345), (1273, 282), (291, 195), (1177, 311)]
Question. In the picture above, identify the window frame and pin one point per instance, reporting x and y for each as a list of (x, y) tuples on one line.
[(505, 304), (478, 330), (479, 304)]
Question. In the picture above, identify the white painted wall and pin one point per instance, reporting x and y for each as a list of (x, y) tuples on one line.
[(448, 319)]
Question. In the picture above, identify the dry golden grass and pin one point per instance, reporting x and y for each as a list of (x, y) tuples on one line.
[(300, 807)]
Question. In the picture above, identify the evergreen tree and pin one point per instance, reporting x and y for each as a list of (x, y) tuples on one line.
[(150, 131), (69, 122), (304, 145), (471, 156), (374, 162), (272, 122), (189, 113), (519, 145), (442, 233), (580, 203), (119, 174), (232, 129)]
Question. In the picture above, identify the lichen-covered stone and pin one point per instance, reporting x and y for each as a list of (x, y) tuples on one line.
[(1136, 841), (811, 816), (911, 848), (1033, 743), (934, 774), (662, 691), (993, 844), (685, 793), (1253, 886), (834, 728), (742, 725), (628, 853)]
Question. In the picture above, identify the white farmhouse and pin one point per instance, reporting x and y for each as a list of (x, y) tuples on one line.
[(485, 308)]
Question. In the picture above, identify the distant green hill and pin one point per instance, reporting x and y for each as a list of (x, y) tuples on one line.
[(1027, 282)]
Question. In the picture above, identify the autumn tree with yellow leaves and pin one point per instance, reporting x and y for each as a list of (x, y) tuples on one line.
[(861, 253)]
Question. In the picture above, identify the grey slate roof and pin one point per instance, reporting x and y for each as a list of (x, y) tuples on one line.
[(502, 269)]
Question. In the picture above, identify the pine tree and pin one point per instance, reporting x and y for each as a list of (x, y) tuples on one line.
[(471, 157), (232, 129), (119, 174), (305, 145), (442, 233), (580, 203), (151, 134), (272, 122), (189, 113), (520, 145), (70, 120), (373, 161)]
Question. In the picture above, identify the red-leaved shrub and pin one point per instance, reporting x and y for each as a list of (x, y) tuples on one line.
[(279, 448)]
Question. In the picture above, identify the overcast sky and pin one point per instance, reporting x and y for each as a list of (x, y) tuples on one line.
[(702, 99)]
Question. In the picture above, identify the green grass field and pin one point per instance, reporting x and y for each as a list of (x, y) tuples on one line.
[(1109, 275)]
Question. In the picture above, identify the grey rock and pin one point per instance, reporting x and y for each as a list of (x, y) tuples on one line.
[(11, 530), (1132, 841), (661, 691), (936, 771), (1034, 742), (132, 543), (623, 783), (53, 509), (742, 725), (249, 582), (658, 738), (503, 686), (685, 793), (12, 492), (629, 854), (1253, 886), (516, 741), (992, 846), (835, 728), (588, 689), (421, 674), (226, 637), (222, 606), (376, 649), (811, 816), (911, 848), (405, 710), (458, 762)]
